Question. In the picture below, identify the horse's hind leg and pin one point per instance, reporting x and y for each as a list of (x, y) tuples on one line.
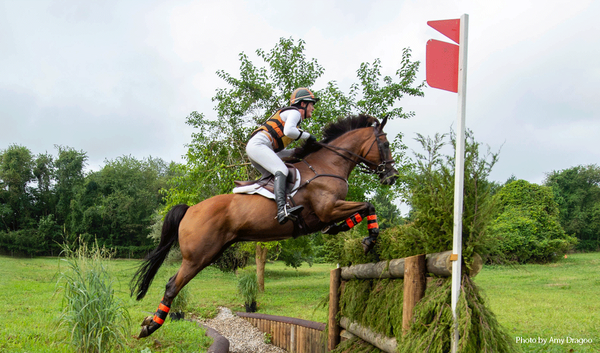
[(187, 271)]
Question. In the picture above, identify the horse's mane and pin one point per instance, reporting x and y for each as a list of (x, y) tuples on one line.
[(335, 130)]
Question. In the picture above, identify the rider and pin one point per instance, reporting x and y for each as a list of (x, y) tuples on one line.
[(267, 145)]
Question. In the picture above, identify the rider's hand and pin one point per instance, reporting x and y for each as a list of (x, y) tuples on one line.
[(311, 139)]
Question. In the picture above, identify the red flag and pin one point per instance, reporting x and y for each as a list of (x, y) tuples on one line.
[(442, 58), (449, 28), (441, 65)]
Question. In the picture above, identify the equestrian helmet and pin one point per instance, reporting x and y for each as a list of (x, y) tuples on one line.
[(302, 95)]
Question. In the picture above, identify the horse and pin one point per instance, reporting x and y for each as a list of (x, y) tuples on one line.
[(207, 229)]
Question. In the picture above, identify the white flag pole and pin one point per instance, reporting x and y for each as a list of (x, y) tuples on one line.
[(459, 175)]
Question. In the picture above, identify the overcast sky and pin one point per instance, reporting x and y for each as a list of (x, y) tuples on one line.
[(116, 78)]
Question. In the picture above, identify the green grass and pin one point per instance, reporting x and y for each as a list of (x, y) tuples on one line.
[(31, 304), (557, 300)]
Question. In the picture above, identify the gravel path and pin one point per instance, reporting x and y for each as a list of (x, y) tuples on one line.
[(242, 336)]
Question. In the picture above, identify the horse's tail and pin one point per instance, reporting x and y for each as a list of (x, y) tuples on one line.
[(145, 274)]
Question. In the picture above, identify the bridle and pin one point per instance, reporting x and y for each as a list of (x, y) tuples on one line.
[(366, 166)]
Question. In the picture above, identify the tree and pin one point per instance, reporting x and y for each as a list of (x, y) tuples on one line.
[(577, 193), (44, 197), (430, 193), (116, 204), (216, 156), (527, 224), (46, 201), (69, 178), (16, 164)]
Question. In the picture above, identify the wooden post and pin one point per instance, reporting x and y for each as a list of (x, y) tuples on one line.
[(414, 287), (334, 306)]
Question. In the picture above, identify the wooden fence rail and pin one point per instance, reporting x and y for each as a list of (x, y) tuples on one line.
[(293, 335)]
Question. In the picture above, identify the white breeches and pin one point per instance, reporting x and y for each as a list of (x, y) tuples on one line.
[(260, 152)]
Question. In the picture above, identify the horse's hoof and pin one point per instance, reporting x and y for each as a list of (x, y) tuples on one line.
[(368, 244), (144, 332), (147, 321), (326, 229), (366, 248)]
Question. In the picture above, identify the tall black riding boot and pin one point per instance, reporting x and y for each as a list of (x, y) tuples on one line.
[(283, 212)]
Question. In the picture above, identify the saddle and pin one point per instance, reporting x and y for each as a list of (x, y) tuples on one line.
[(264, 186)]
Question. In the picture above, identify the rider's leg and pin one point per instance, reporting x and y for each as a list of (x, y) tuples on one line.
[(263, 172), (283, 212), (260, 152)]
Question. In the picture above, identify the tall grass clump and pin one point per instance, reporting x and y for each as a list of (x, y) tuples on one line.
[(248, 289), (96, 320), (180, 304)]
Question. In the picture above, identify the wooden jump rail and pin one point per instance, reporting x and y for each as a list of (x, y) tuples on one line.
[(413, 269), (293, 335)]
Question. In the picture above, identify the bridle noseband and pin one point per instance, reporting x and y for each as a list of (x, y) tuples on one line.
[(380, 168)]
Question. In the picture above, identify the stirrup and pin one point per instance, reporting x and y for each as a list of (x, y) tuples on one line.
[(292, 214)]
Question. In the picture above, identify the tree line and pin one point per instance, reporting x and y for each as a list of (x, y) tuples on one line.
[(47, 200)]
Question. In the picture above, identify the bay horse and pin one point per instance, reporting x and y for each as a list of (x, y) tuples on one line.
[(206, 229)]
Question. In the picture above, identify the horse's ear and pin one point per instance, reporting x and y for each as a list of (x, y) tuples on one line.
[(383, 123)]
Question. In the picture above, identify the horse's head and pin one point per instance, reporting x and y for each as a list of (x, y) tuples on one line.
[(381, 157), (359, 139)]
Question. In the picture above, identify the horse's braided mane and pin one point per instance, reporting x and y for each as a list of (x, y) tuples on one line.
[(335, 130)]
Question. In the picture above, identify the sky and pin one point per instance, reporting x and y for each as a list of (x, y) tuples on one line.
[(114, 78)]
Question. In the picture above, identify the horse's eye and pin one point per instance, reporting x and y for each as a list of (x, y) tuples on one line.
[(386, 145)]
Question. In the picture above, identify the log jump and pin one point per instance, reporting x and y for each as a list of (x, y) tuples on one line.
[(414, 270)]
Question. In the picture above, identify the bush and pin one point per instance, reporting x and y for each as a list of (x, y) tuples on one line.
[(431, 196), (528, 226), (25, 242), (296, 251), (96, 320)]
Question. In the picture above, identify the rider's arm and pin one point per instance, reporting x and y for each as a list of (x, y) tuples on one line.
[(292, 119)]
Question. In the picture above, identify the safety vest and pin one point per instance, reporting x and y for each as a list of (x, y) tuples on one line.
[(273, 127)]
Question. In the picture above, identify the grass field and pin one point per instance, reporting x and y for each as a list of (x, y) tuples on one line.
[(558, 301), (534, 302)]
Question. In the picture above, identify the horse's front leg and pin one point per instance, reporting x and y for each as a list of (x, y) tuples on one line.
[(349, 214)]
